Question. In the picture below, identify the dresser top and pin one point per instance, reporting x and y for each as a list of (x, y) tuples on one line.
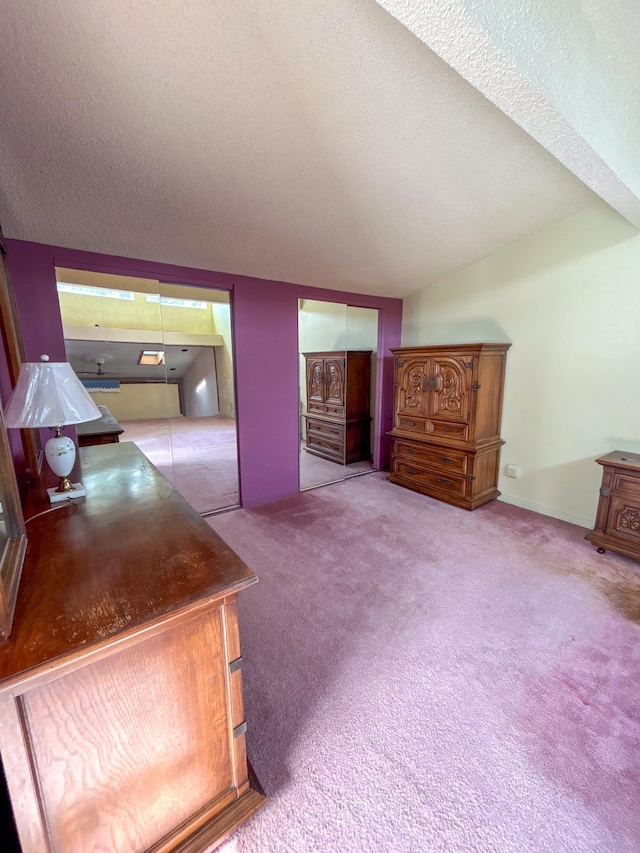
[(128, 556), (621, 459)]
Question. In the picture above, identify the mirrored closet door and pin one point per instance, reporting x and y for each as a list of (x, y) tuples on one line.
[(337, 363), (157, 360)]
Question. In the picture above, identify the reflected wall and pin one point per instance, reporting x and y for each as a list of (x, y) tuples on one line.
[(337, 364), (157, 359)]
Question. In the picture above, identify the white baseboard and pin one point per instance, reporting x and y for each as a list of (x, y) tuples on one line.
[(580, 520)]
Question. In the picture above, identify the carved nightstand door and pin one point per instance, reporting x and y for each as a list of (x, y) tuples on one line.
[(617, 525)]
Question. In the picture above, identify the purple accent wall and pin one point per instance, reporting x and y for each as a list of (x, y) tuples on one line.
[(265, 325), (15, 442)]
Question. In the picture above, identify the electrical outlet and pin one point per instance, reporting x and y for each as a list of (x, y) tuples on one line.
[(512, 470)]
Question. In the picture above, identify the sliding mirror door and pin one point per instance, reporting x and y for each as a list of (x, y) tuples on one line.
[(322, 340), (337, 368), (196, 328), (137, 345), (362, 346)]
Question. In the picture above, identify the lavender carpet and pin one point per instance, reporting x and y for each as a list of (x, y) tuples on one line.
[(198, 455), (420, 678), (316, 471)]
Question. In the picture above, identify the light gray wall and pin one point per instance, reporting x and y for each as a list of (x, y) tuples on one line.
[(200, 386)]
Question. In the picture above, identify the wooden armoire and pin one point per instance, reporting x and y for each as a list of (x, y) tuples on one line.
[(446, 427), (337, 420)]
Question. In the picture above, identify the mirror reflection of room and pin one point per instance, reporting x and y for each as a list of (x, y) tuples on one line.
[(157, 359), (337, 368)]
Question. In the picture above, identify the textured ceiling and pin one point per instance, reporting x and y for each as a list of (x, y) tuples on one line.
[(568, 73), (120, 360), (321, 143)]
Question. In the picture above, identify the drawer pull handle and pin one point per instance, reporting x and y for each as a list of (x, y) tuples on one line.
[(412, 451), (411, 470), (605, 492), (445, 481), (240, 730), (444, 459), (410, 423)]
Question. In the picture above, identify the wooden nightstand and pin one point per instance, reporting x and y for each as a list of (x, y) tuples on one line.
[(617, 525)]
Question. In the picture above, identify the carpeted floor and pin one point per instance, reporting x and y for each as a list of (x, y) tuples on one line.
[(420, 678), (198, 455), (316, 471)]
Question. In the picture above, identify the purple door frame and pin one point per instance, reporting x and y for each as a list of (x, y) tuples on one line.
[(265, 335)]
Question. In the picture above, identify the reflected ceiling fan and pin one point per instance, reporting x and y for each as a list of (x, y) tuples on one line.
[(99, 372)]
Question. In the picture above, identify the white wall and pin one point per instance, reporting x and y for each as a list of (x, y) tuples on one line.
[(199, 386), (568, 298), (139, 401)]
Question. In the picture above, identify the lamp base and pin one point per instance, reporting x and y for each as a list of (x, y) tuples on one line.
[(76, 491)]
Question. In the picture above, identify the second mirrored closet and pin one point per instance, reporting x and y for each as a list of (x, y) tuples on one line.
[(337, 368), (157, 359)]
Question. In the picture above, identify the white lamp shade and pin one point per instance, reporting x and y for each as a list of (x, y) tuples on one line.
[(49, 394)]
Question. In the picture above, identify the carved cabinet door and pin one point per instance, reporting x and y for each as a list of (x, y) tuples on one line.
[(315, 380), (334, 381), (412, 396), (450, 389)]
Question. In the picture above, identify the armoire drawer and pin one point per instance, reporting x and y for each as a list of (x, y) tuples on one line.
[(413, 424), (326, 445), (325, 430), (449, 484), (438, 458), (335, 411), (444, 429)]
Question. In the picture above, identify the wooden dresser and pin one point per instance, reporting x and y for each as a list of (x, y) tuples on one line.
[(121, 717), (446, 427), (617, 525), (337, 420)]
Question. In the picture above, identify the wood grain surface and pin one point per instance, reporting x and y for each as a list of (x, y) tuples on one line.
[(121, 714), (131, 552)]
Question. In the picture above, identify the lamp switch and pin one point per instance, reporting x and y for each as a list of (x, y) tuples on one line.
[(512, 470)]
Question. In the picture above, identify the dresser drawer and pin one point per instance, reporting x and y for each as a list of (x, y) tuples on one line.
[(431, 457), (318, 408), (323, 429), (627, 482), (451, 484), (326, 445), (443, 429)]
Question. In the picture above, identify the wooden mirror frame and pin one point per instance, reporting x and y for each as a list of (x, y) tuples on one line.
[(12, 556), (14, 351), (13, 551)]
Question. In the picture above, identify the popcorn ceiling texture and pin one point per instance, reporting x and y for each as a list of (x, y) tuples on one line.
[(584, 57), (565, 72), (316, 143)]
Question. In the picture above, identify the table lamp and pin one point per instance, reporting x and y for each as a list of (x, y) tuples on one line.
[(49, 394)]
